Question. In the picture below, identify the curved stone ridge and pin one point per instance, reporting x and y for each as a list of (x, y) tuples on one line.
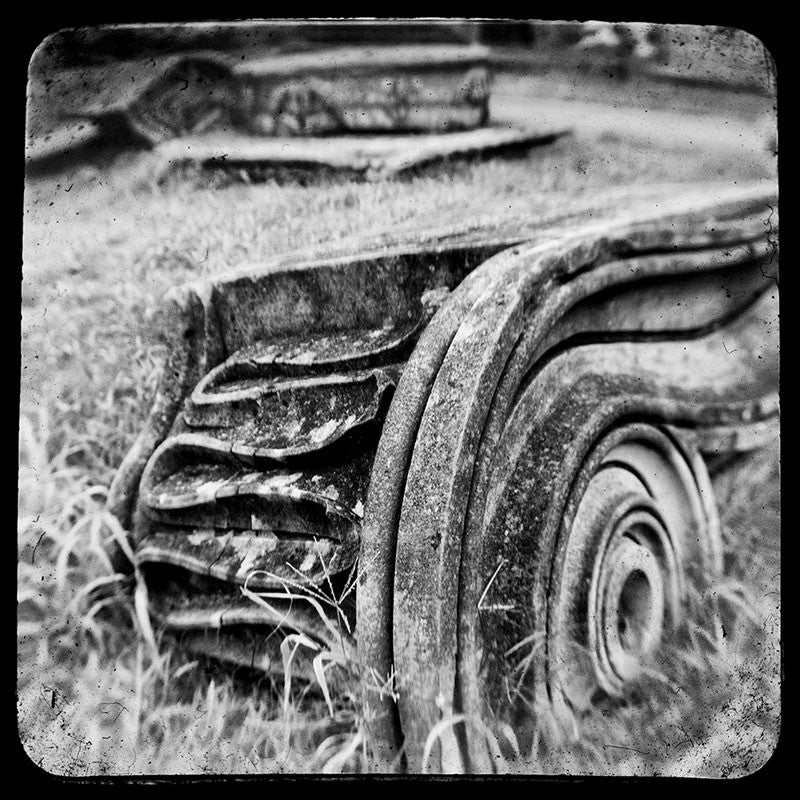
[(268, 418), (410, 386)]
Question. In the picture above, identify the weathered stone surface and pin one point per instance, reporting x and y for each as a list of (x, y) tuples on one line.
[(426, 633), (366, 156), (546, 334), (259, 557), (400, 88), (281, 418)]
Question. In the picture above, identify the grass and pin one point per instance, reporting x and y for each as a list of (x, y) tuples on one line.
[(102, 243)]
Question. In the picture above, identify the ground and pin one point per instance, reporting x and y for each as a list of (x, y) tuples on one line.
[(103, 241)]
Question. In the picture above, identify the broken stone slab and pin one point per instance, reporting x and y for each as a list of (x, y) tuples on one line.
[(410, 88), (367, 157), (378, 88)]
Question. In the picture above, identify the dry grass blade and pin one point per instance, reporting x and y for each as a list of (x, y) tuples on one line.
[(289, 647), (319, 671), (435, 735), (141, 605), (339, 760), (261, 598), (511, 737)]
